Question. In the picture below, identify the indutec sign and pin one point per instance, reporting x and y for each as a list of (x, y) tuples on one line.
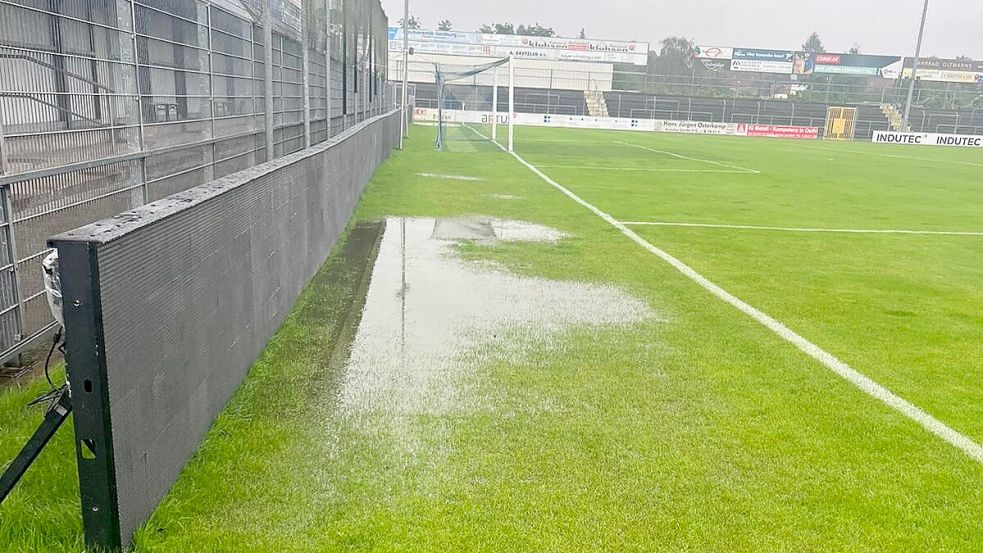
[(928, 139)]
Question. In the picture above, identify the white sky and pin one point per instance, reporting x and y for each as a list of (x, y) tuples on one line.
[(955, 27)]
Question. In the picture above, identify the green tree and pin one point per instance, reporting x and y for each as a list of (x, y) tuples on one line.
[(498, 29), (445, 25), (535, 30), (676, 56), (813, 44), (414, 23)]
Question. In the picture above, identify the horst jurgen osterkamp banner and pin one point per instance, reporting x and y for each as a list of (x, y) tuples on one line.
[(527, 47)]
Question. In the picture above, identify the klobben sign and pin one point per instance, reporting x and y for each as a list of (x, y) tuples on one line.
[(928, 139)]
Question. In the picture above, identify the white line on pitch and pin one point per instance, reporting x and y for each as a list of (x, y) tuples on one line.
[(681, 156), (892, 156), (848, 373), (795, 229), (645, 170)]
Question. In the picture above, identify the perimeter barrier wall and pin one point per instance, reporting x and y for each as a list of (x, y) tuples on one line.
[(168, 306)]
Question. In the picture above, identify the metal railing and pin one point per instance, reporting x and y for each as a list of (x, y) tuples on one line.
[(106, 105)]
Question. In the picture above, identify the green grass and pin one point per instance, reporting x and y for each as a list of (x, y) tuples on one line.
[(702, 431)]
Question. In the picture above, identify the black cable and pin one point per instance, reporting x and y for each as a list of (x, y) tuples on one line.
[(47, 361)]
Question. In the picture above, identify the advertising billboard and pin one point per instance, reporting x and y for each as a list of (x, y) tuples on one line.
[(761, 66), (525, 47), (714, 52), (928, 139), (945, 70), (787, 62)]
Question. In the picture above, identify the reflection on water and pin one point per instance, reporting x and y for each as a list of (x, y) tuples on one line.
[(429, 314)]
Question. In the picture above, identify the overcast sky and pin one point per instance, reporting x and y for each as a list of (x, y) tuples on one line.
[(955, 27)]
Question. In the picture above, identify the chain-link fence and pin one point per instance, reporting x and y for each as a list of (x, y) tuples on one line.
[(106, 105)]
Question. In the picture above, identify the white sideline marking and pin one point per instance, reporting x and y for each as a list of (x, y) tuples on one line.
[(795, 229), (848, 373), (644, 170), (447, 177), (680, 156), (892, 156)]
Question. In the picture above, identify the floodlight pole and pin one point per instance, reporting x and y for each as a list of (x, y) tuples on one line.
[(511, 104), (406, 72), (914, 68)]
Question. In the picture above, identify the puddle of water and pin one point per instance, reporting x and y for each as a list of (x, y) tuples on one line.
[(430, 316), (448, 177)]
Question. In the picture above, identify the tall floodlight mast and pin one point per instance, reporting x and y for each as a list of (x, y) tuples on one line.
[(406, 72), (914, 68)]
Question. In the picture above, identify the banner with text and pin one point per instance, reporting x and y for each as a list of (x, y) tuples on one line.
[(945, 70), (781, 131), (428, 115), (928, 139), (525, 47)]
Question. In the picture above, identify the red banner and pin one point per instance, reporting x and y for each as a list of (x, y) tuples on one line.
[(782, 131)]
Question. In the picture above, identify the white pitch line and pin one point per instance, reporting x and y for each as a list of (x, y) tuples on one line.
[(795, 229), (645, 170), (892, 156), (681, 156), (848, 373)]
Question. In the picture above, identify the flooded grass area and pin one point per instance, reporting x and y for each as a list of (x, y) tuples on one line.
[(484, 365)]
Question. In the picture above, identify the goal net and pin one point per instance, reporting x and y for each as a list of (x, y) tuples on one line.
[(470, 104)]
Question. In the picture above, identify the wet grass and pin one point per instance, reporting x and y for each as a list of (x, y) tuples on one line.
[(699, 431)]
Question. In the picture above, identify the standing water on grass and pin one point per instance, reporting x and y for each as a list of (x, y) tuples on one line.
[(431, 318)]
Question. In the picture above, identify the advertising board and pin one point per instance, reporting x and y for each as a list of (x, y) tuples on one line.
[(714, 52), (928, 139), (781, 131), (761, 66), (945, 70), (525, 47)]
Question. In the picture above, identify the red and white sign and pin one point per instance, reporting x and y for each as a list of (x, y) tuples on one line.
[(783, 131), (828, 59)]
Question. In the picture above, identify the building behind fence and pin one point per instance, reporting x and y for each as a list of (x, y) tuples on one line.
[(106, 105)]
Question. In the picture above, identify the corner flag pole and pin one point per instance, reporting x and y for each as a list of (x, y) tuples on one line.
[(406, 72), (511, 104), (914, 69)]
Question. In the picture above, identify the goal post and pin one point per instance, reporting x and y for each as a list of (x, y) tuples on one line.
[(462, 104)]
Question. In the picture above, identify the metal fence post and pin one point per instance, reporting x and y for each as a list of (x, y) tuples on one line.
[(130, 54), (204, 13), (305, 37), (327, 63), (268, 75), (18, 300)]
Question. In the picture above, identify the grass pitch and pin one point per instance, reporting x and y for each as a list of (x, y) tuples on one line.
[(703, 430)]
